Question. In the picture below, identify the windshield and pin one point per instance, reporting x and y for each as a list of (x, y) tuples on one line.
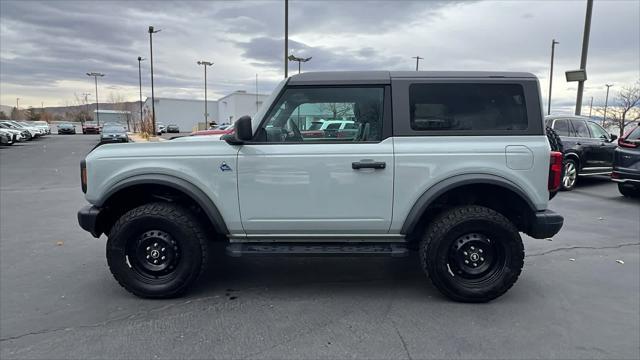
[(255, 121), (113, 129)]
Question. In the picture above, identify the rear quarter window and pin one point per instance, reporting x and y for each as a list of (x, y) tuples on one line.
[(480, 108)]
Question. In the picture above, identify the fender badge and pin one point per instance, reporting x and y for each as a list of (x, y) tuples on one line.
[(225, 167)]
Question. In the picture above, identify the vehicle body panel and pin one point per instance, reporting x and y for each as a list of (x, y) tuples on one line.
[(195, 162), (312, 188)]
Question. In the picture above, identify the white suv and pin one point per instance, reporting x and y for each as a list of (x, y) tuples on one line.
[(453, 164)]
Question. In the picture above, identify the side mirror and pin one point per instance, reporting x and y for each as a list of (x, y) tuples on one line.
[(613, 137), (243, 128), (243, 132)]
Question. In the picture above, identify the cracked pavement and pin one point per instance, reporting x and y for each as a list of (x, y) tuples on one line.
[(58, 299)]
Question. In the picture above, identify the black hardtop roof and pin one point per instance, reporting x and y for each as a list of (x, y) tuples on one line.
[(383, 77)]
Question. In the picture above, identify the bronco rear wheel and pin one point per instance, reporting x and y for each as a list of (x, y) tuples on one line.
[(156, 250), (472, 254)]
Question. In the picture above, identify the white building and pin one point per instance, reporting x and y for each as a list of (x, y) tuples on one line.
[(182, 112), (189, 114), (112, 116), (238, 104)]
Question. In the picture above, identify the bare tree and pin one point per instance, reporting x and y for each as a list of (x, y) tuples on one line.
[(625, 108), (338, 110)]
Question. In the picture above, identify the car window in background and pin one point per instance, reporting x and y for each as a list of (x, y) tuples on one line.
[(113, 129), (597, 131), (561, 126), (634, 135), (580, 127)]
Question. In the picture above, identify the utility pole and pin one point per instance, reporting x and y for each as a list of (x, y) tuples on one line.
[(418, 58), (86, 103), (553, 47), (606, 102), (257, 107), (95, 77), (583, 58), (153, 98), (140, 59), (286, 38), (206, 113), (42, 107), (17, 104), (591, 107)]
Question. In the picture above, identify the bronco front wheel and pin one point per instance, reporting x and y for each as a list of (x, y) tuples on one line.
[(156, 250), (472, 254)]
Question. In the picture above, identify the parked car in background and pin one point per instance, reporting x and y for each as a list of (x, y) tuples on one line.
[(221, 130), (6, 138), (90, 127), (172, 128), (27, 133), (626, 164), (588, 148), (39, 130), (18, 135), (41, 125), (66, 128), (114, 133), (162, 128)]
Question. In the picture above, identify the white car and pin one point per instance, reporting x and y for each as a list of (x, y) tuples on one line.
[(43, 125), (457, 166), (30, 133), (40, 130), (15, 134)]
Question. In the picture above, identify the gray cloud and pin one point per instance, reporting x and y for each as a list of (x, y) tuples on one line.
[(43, 44)]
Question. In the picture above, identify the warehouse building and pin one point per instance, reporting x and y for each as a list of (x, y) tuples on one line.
[(189, 114)]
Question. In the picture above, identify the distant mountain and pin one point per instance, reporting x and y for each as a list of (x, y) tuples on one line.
[(67, 112)]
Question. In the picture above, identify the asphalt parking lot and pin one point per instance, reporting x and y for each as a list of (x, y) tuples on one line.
[(574, 298)]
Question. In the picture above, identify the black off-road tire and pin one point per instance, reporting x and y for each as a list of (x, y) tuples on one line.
[(554, 139), (442, 235), (171, 220)]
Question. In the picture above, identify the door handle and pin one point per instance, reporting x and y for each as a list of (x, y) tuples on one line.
[(368, 165)]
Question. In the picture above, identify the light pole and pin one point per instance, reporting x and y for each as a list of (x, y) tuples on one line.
[(418, 58), (206, 113), (553, 48), (17, 104), (140, 59), (606, 102), (286, 38), (299, 60), (583, 58), (153, 98), (86, 104), (95, 78), (591, 107)]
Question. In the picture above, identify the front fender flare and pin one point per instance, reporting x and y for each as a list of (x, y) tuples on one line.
[(189, 189)]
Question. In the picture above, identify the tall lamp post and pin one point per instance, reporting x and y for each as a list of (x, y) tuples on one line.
[(299, 60), (606, 102), (17, 104), (286, 38), (418, 58), (553, 48), (95, 78), (583, 57), (140, 59), (153, 98), (206, 112)]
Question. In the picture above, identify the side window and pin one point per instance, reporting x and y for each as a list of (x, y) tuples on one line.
[(310, 114), (482, 107), (597, 131), (561, 126), (580, 127)]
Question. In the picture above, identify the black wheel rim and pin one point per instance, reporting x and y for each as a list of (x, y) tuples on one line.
[(154, 254), (476, 257)]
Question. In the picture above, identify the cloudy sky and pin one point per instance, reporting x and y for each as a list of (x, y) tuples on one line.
[(47, 47)]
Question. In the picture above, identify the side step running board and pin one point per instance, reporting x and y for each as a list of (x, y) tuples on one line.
[(297, 249)]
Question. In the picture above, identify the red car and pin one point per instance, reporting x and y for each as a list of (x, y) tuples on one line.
[(90, 128), (228, 130)]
